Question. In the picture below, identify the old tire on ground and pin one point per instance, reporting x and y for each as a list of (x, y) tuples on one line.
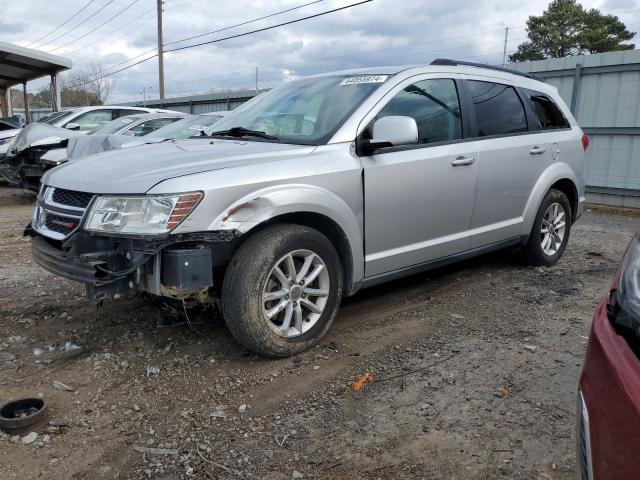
[(550, 232), (282, 289)]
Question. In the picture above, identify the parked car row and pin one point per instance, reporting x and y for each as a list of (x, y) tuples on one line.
[(64, 136)]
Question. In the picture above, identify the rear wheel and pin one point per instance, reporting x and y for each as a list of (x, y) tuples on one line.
[(282, 290), (551, 229)]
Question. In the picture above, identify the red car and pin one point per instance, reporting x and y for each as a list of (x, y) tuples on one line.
[(609, 393)]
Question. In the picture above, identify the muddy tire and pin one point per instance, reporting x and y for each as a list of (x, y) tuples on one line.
[(281, 290), (551, 229)]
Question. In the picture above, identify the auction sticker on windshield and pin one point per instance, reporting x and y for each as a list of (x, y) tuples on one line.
[(364, 79)]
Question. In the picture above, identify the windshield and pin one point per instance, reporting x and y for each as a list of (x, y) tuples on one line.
[(48, 117), (306, 111), (113, 126), (185, 128)]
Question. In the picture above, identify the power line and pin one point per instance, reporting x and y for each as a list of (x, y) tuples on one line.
[(290, 22), (62, 24), (233, 36), (78, 25), (229, 38), (96, 28), (246, 23), (114, 31)]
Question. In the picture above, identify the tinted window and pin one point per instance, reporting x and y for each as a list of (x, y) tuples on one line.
[(93, 120), (434, 106), (124, 113), (547, 112), (499, 110)]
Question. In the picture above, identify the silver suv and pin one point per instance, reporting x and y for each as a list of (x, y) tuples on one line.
[(317, 189)]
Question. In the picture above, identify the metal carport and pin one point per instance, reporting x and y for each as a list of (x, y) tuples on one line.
[(19, 65)]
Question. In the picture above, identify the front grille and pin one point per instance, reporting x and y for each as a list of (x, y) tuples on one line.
[(59, 212), (584, 442), (58, 224), (71, 198)]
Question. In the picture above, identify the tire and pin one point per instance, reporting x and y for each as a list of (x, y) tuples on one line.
[(252, 273), (534, 252)]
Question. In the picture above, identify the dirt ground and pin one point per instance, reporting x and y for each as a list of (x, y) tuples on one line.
[(475, 365)]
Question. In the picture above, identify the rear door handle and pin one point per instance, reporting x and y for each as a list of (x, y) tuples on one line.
[(537, 150), (462, 160)]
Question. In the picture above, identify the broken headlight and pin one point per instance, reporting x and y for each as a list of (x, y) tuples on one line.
[(624, 302), (141, 215)]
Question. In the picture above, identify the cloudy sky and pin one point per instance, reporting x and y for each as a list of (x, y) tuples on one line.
[(382, 32)]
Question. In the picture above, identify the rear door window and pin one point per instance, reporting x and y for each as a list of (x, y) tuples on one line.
[(548, 114), (144, 128), (434, 106), (123, 112), (498, 108)]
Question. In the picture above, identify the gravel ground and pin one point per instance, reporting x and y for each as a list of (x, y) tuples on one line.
[(474, 370)]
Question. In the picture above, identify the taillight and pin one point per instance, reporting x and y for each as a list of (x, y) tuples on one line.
[(624, 301), (585, 142)]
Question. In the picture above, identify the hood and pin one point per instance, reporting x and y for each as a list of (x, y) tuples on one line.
[(84, 145), (136, 170), (9, 133), (37, 132)]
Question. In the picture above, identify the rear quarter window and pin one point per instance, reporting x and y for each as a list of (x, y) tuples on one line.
[(548, 115), (498, 108)]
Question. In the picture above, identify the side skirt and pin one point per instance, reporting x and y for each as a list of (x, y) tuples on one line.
[(432, 264)]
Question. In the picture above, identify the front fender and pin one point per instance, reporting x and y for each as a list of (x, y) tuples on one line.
[(556, 172), (260, 206)]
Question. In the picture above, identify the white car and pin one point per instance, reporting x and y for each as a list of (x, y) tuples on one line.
[(7, 132), (87, 119)]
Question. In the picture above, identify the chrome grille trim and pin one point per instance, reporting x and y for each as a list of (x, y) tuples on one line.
[(48, 211)]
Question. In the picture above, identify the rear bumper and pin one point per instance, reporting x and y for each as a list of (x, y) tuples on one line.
[(610, 387)]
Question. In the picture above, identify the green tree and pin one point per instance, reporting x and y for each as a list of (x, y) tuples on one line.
[(565, 28)]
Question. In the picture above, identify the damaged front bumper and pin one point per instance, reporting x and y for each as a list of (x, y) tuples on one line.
[(179, 266)]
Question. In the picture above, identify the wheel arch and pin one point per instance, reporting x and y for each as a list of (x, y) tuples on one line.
[(310, 206), (559, 176)]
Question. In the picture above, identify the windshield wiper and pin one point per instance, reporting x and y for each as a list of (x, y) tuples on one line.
[(242, 132)]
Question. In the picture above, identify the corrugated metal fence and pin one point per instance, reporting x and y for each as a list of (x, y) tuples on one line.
[(195, 104), (603, 91)]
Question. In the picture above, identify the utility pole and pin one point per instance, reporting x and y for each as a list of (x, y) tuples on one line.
[(504, 52), (160, 53)]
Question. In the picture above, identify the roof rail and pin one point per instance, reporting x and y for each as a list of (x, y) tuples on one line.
[(446, 61)]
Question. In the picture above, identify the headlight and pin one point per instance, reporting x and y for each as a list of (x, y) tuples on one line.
[(144, 215), (624, 302)]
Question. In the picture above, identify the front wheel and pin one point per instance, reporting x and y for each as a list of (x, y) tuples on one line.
[(282, 290), (551, 229)]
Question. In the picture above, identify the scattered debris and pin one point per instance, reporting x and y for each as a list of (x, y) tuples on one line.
[(7, 357), (16, 339), (63, 386), (316, 367), (153, 371), (456, 316), (68, 346), (30, 438), (297, 474), (242, 408), (218, 414), (531, 348), (362, 381), (156, 451)]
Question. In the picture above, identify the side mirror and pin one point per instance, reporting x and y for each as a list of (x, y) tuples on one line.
[(391, 131), (72, 126)]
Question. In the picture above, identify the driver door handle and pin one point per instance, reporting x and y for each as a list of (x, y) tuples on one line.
[(537, 150), (462, 160)]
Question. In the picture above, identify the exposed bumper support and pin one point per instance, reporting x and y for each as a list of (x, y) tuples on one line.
[(178, 266)]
